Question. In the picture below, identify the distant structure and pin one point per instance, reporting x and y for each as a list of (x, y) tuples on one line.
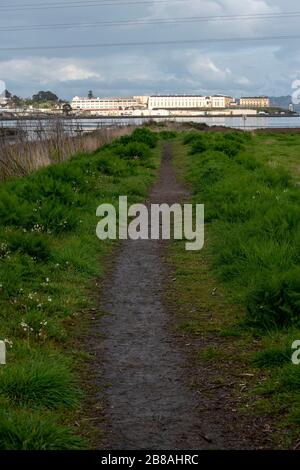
[(124, 105), (255, 102), (107, 105), (170, 105), (189, 101)]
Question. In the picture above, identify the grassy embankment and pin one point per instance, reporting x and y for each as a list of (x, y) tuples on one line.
[(24, 149), (49, 256), (241, 293)]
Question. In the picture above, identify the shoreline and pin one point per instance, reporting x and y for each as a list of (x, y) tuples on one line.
[(158, 116)]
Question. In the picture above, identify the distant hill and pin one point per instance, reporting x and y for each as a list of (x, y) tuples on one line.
[(283, 102)]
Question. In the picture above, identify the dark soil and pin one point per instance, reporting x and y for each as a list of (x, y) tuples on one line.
[(279, 130), (143, 374)]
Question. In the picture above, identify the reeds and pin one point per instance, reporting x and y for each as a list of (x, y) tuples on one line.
[(32, 146)]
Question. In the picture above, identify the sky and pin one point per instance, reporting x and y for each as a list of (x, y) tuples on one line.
[(239, 68)]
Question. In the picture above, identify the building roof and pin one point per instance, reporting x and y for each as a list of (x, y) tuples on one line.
[(177, 96), (123, 98), (190, 96)]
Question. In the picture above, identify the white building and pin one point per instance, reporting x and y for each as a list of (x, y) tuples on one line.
[(177, 102), (189, 101), (119, 106), (105, 104), (222, 101)]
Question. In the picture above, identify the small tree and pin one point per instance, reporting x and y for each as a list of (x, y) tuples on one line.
[(43, 96), (17, 101), (90, 95)]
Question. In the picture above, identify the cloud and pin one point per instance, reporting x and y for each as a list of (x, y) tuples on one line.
[(2, 86), (243, 81), (46, 70), (207, 8), (205, 67), (263, 67)]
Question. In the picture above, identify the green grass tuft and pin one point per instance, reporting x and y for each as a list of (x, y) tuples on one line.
[(40, 383), (27, 430)]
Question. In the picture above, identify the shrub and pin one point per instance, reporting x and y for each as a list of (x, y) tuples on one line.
[(145, 136), (113, 166), (124, 140), (66, 172), (167, 135), (198, 145), (55, 217), (238, 136), (13, 210), (230, 148), (190, 137), (141, 135), (133, 151), (32, 244), (44, 187)]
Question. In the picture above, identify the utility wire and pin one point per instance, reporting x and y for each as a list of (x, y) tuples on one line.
[(143, 21), (149, 43), (74, 4)]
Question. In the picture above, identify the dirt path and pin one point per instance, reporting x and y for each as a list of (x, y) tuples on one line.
[(145, 372)]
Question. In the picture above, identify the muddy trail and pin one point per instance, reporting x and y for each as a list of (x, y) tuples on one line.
[(144, 374)]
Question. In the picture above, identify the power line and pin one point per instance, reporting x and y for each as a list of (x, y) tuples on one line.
[(149, 43), (141, 21), (56, 3), (75, 4)]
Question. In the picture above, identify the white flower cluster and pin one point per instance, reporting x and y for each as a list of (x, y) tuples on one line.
[(40, 332), (8, 342), (25, 327), (4, 251), (38, 228)]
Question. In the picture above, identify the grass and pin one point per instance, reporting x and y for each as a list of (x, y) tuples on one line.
[(49, 258), (32, 430), (241, 293), (40, 382), (253, 210)]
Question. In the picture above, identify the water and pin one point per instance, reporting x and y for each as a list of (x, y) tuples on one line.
[(251, 122), (74, 126)]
